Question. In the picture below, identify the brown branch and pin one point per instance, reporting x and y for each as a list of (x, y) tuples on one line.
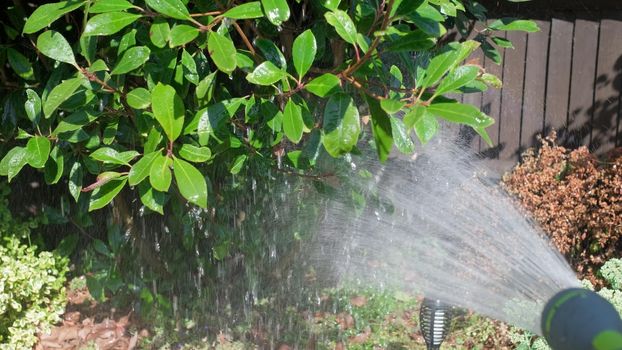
[(244, 38), (357, 84), (212, 13)]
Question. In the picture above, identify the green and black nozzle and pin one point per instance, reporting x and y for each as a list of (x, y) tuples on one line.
[(579, 319)]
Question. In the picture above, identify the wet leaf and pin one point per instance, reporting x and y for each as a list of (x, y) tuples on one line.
[(293, 124), (45, 14), (55, 166), (75, 180), (33, 106), (103, 195), (237, 164), (401, 136), (341, 125), (13, 162), (139, 98), (109, 23), (248, 10), (55, 46), (457, 78), (303, 52), (277, 11), (38, 149), (160, 173), (151, 198), (111, 156), (513, 24), (222, 51), (140, 170), (132, 58), (168, 109), (265, 74), (324, 85), (102, 6), (182, 34), (381, 129), (416, 40), (74, 121), (190, 182), (160, 32), (172, 8), (60, 94), (195, 154), (343, 25)]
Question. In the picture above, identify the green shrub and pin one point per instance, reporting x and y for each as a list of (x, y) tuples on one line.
[(32, 295)]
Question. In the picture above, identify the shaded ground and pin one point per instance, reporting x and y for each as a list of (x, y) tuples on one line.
[(90, 325)]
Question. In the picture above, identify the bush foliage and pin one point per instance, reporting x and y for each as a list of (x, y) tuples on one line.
[(576, 199), (32, 293), (165, 96)]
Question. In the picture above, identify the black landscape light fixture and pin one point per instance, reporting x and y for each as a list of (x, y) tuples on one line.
[(434, 321)]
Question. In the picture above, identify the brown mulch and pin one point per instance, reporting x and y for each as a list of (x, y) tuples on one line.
[(89, 323)]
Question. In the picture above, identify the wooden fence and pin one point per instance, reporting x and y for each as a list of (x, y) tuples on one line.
[(568, 77)]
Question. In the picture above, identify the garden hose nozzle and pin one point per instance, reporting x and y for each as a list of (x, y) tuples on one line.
[(434, 319), (579, 319)]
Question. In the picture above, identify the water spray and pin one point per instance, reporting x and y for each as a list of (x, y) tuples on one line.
[(435, 319), (579, 319)]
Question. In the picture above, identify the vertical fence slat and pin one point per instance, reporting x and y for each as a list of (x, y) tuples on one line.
[(582, 80), (558, 75), (469, 136), (491, 105), (512, 96), (608, 84), (535, 85)]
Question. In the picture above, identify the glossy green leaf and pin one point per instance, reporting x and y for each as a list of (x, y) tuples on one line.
[(404, 7), (237, 164), (55, 46), (103, 179), (168, 109), (45, 14), (190, 182), (491, 52), (140, 170), (195, 154), (189, 67), (55, 166), (205, 88), (60, 94), (265, 74), (401, 136), (74, 121), (392, 105), (271, 52), (182, 34), (105, 194), (33, 106), (457, 78), (159, 32), (502, 42), (341, 125), (13, 162), (343, 25), (110, 131), (109, 23), (20, 64), (416, 40), (427, 18), (425, 124), (151, 198), (439, 65), (132, 58), (381, 129), (160, 175), (102, 6), (172, 8), (461, 113), (222, 51), (111, 156), (248, 10), (293, 124), (324, 85), (139, 98), (492, 80), (511, 24), (76, 175), (303, 52), (38, 149), (277, 11)]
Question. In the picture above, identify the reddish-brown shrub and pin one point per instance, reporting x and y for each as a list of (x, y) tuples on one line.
[(577, 200)]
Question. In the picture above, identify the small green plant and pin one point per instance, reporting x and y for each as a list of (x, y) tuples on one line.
[(32, 296)]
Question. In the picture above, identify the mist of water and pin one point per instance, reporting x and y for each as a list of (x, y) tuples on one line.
[(440, 225)]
